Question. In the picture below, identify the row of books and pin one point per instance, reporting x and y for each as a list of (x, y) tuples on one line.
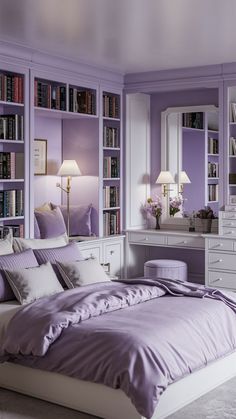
[(213, 146), (111, 106), (11, 88), (111, 196), (82, 101), (12, 203), (12, 127), (232, 146), (111, 222), (11, 165), (111, 167), (213, 169), (111, 137), (47, 95), (16, 229), (213, 194), (233, 112), (193, 120)]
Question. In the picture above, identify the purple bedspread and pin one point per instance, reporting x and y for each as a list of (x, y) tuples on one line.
[(122, 335)]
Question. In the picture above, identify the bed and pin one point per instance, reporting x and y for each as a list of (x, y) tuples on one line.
[(100, 400)]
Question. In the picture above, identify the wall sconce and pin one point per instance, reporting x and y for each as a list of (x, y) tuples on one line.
[(165, 178), (68, 169), (183, 178)]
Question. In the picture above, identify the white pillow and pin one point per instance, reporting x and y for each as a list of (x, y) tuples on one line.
[(45, 207), (30, 284), (6, 244), (22, 244), (82, 272)]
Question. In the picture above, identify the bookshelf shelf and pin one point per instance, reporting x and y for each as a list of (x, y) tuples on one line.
[(213, 154), (111, 208), (20, 217), (58, 114), (189, 129), (107, 118), (8, 103), (111, 178), (12, 180), (211, 202), (213, 178), (11, 142), (111, 148)]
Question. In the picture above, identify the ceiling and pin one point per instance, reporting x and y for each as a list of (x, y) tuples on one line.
[(125, 35)]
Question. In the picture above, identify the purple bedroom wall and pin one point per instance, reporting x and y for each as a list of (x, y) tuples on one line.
[(81, 143), (45, 189)]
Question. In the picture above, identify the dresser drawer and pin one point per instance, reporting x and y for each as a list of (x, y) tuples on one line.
[(92, 251), (230, 215), (230, 232), (229, 223), (185, 241), (222, 279), (219, 244), (148, 239), (221, 261)]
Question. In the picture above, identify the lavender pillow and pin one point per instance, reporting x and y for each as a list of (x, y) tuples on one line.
[(80, 219), (68, 253), (51, 223), (36, 228), (20, 260)]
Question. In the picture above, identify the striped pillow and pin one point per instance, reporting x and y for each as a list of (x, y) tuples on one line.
[(19, 260)]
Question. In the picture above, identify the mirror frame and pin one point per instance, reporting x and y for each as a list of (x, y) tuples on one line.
[(168, 221)]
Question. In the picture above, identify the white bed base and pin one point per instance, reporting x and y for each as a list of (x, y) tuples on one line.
[(107, 403)]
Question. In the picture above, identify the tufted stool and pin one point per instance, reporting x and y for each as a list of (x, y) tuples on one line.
[(166, 268)]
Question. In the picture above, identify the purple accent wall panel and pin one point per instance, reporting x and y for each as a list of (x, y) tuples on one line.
[(193, 163), (45, 186), (160, 102), (81, 143)]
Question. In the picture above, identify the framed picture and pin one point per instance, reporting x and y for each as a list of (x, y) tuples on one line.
[(40, 157)]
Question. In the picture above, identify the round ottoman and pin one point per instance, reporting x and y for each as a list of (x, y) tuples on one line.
[(166, 268)]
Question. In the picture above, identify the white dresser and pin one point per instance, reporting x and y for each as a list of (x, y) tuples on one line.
[(220, 261)]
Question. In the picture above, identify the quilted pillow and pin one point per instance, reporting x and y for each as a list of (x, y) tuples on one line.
[(51, 223), (80, 219), (20, 260), (83, 272)]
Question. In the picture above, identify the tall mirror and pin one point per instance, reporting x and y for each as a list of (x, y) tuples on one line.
[(190, 152)]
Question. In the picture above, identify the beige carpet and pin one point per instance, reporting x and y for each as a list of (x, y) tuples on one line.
[(218, 404)]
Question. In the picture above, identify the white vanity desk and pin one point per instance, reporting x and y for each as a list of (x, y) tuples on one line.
[(169, 238)]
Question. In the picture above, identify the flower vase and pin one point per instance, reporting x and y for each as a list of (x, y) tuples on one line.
[(206, 225), (157, 223)]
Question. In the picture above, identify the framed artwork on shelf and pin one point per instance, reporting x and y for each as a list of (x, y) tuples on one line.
[(40, 157)]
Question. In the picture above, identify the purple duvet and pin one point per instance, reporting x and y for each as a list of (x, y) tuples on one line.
[(137, 335)]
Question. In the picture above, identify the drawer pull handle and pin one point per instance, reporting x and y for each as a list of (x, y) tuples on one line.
[(112, 252), (145, 239), (230, 232), (216, 280), (184, 242), (92, 256), (216, 261)]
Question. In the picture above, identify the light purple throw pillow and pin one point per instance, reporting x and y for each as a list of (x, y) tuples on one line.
[(50, 223), (68, 253), (36, 229), (80, 219), (13, 261)]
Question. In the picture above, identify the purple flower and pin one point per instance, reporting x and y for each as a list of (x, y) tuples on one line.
[(153, 207)]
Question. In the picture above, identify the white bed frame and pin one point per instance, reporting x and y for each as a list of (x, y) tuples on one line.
[(107, 403)]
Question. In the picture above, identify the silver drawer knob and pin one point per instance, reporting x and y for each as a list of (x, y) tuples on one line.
[(219, 260), (184, 242), (112, 252), (146, 239), (216, 280)]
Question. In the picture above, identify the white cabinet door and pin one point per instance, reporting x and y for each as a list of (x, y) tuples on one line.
[(91, 251), (113, 254)]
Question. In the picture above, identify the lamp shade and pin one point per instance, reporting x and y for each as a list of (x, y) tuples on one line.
[(165, 177), (183, 178), (69, 168)]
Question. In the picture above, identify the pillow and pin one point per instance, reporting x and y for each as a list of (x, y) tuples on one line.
[(6, 244), (36, 228), (80, 219), (45, 207), (84, 272), (24, 259), (67, 253), (23, 244), (51, 223), (30, 284)]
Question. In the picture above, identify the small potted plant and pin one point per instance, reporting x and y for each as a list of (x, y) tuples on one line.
[(175, 204), (153, 207), (206, 216)]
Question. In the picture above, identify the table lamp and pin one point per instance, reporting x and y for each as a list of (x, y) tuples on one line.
[(183, 178), (165, 178), (68, 169)]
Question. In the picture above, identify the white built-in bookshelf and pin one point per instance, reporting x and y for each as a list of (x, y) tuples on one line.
[(231, 146), (14, 157)]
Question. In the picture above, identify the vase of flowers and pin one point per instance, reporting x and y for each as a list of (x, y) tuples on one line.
[(175, 204), (153, 207), (206, 216)]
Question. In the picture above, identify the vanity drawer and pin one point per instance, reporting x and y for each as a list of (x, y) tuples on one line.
[(185, 241), (229, 222), (218, 244), (221, 261), (230, 215), (148, 239), (92, 251), (222, 279)]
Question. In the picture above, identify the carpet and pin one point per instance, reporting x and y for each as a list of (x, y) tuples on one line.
[(217, 404)]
